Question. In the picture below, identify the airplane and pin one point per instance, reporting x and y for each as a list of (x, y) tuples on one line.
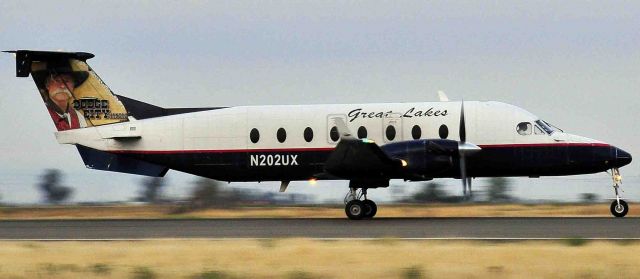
[(366, 144)]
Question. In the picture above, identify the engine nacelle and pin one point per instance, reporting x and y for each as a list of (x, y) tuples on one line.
[(425, 157)]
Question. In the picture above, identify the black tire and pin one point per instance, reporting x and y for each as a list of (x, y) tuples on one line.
[(370, 208), (355, 210), (619, 211)]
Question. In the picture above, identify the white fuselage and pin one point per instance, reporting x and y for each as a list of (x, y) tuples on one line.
[(488, 123)]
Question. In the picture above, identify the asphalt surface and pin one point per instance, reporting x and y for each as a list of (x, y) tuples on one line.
[(482, 228)]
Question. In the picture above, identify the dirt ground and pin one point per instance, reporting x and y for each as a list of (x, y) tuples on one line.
[(430, 210), (305, 258)]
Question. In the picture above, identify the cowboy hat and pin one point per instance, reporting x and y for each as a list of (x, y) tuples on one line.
[(58, 67)]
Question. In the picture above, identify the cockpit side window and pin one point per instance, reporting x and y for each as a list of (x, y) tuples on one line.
[(547, 129), (524, 128)]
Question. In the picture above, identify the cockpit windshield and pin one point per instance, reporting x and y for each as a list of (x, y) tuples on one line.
[(548, 128)]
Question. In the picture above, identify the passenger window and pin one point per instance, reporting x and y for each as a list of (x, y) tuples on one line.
[(308, 134), (333, 134), (362, 132), (538, 131), (254, 135), (390, 132), (416, 132), (524, 128), (281, 135), (443, 131)]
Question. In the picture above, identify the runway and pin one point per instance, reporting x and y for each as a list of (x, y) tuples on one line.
[(415, 228)]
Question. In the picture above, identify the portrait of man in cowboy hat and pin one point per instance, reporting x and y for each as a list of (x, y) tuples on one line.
[(56, 82)]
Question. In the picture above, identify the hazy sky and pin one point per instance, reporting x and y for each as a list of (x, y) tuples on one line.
[(575, 64)]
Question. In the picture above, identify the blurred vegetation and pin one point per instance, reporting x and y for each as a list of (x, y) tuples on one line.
[(151, 190), (143, 273), (211, 275), (576, 241), (588, 198), (499, 189), (209, 193), (299, 274), (430, 192), (268, 242), (52, 269), (414, 272), (101, 269), (52, 191)]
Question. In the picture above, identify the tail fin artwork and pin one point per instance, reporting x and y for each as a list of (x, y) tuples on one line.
[(77, 98), (73, 93)]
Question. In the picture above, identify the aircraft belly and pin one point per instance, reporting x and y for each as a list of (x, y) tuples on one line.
[(291, 165), (539, 160), (242, 165)]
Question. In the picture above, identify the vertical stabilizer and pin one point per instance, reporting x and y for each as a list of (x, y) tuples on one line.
[(74, 95)]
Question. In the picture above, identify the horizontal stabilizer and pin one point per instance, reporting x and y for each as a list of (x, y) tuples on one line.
[(100, 160), (25, 57)]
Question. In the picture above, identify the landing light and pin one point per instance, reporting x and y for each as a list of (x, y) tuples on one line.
[(313, 181), (404, 163)]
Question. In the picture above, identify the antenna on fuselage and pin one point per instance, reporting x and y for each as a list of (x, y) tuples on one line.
[(443, 97)]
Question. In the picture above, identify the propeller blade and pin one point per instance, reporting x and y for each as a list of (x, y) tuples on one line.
[(463, 174), (464, 149), (463, 130)]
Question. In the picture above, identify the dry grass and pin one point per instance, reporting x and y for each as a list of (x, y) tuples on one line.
[(304, 258), (431, 210)]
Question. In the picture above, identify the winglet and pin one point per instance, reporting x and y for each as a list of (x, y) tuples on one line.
[(443, 97)]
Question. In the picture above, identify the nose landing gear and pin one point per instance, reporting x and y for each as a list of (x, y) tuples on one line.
[(619, 208), (358, 206)]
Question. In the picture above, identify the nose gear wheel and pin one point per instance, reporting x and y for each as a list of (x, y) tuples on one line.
[(619, 208)]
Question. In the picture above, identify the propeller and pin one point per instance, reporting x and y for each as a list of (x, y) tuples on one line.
[(465, 149)]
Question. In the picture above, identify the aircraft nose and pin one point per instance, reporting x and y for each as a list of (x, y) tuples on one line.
[(623, 158)]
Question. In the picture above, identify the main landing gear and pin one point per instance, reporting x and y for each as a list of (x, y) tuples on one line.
[(619, 207), (358, 206)]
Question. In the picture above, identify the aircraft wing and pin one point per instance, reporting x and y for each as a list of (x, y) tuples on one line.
[(363, 160), (359, 158)]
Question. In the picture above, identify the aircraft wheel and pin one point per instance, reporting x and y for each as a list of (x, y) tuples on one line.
[(370, 208), (619, 210), (355, 210)]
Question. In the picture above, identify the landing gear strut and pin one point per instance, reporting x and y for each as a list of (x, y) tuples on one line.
[(619, 208), (358, 206)]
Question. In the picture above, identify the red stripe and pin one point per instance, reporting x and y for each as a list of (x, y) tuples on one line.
[(303, 149), (223, 150)]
